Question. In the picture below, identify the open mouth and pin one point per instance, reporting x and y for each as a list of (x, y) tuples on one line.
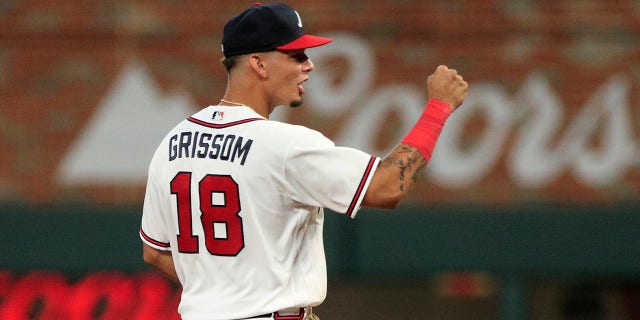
[(300, 87)]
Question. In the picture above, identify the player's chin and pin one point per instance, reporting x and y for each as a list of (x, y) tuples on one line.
[(295, 103)]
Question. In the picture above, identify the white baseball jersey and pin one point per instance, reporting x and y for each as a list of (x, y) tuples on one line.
[(238, 200)]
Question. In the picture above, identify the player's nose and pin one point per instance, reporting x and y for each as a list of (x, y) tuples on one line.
[(308, 66)]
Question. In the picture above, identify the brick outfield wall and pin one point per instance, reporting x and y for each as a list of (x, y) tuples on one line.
[(59, 58)]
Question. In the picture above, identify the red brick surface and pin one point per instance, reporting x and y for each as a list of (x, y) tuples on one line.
[(58, 59)]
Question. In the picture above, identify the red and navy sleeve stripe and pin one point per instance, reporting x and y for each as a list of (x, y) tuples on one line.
[(365, 177), (153, 241)]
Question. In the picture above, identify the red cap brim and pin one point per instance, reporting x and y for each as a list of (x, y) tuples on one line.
[(304, 42)]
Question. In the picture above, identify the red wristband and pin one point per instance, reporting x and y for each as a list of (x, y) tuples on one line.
[(424, 134)]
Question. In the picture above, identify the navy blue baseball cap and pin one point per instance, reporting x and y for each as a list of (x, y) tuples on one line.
[(267, 27)]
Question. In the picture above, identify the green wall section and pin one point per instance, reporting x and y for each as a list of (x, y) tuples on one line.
[(70, 238), (523, 239)]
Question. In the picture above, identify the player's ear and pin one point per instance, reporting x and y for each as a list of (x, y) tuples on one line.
[(258, 65)]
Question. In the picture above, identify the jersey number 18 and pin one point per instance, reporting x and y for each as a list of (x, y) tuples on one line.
[(219, 208)]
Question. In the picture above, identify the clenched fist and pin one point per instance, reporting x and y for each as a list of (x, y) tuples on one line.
[(448, 86)]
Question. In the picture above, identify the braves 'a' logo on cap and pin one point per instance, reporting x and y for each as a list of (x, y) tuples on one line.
[(299, 20)]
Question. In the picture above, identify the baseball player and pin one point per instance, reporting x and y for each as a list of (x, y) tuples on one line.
[(234, 203)]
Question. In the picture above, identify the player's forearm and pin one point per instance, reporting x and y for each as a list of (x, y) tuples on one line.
[(397, 173), (161, 261), (394, 178)]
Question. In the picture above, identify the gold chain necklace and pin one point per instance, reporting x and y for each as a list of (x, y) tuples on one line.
[(233, 103)]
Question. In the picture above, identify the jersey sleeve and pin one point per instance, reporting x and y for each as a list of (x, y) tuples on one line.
[(153, 228), (321, 174)]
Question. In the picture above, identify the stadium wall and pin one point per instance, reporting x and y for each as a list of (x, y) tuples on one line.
[(92, 255), (528, 208)]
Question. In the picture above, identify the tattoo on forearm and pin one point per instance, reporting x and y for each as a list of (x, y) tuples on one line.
[(409, 161)]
